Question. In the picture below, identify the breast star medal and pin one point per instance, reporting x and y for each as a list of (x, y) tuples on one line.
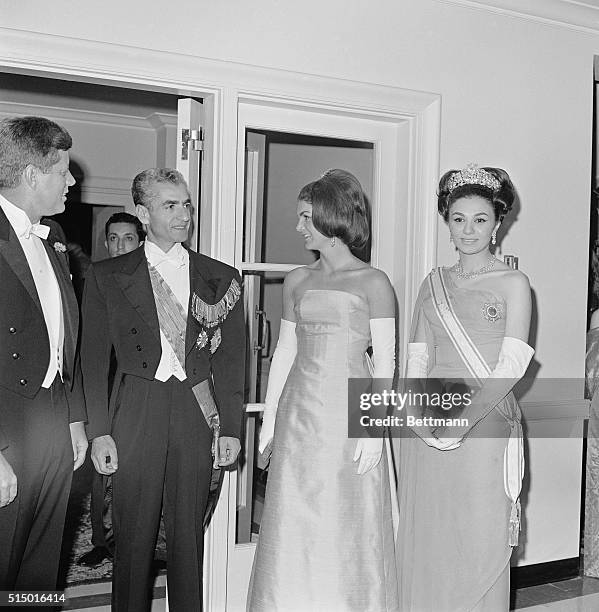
[(202, 340), (493, 311)]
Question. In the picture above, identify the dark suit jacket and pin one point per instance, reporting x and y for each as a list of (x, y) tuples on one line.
[(24, 344), (119, 311)]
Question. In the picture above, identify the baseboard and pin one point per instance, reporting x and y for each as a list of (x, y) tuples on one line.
[(543, 573)]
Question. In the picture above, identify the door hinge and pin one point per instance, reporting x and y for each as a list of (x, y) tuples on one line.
[(191, 139)]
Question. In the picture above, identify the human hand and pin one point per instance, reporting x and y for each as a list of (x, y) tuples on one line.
[(8, 482), (79, 442), (228, 449), (369, 452), (104, 455)]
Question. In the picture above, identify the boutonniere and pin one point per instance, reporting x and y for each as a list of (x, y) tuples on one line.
[(59, 247)]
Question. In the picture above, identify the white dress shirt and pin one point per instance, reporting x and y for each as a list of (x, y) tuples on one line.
[(46, 285), (174, 269)]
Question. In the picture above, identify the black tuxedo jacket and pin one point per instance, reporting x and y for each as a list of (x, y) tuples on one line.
[(119, 312), (24, 346)]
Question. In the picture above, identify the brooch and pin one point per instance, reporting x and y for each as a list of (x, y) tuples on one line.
[(493, 312), (59, 247), (215, 340)]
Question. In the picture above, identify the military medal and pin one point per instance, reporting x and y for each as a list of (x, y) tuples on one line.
[(211, 315)]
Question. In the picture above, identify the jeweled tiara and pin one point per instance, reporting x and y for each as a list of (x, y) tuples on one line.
[(472, 175)]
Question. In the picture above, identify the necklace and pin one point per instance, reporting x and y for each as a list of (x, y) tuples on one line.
[(457, 268)]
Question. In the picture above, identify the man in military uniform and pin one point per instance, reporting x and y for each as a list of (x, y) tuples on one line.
[(175, 321), (42, 435)]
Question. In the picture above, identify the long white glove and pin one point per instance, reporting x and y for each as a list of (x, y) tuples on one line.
[(382, 333), (282, 360), (513, 360), (417, 366)]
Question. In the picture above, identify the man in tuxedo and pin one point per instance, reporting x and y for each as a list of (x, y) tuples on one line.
[(124, 233), (42, 435), (175, 321)]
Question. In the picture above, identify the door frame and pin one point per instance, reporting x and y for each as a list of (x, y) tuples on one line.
[(224, 86)]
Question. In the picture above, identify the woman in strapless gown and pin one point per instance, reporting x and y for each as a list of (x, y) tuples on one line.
[(459, 487), (326, 538)]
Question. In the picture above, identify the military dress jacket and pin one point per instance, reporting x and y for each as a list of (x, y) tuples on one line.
[(119, 312)]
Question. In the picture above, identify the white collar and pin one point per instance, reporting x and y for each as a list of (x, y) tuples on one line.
[(19, 220), (177, 256)]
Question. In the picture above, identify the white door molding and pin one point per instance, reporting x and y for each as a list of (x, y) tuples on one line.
[(578, 15)]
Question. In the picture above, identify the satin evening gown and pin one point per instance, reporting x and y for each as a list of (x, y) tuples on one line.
[(453, 547), (326, 537)]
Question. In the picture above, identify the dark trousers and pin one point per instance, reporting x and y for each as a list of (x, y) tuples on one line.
[(164, 453), (41, 455), (99, 507)]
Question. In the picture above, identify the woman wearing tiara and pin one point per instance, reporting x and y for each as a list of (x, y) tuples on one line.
[(459, 486), (326, 535)]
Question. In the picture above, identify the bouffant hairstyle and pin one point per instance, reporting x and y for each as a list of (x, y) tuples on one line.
[(501, 198), (339, 208)]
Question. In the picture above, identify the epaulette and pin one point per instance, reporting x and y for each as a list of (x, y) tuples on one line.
[(210, 315)]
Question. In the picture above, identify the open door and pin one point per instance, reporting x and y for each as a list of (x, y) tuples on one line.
[(257, 324), (190, 144)]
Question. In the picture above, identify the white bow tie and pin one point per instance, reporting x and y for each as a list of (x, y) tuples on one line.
[(38, 229), (176, 259)]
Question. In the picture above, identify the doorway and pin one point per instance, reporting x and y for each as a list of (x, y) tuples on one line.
[(279, 151), (116, 133)]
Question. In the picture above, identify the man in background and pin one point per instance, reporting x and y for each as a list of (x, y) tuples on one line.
[(42, 414), (124, 233)]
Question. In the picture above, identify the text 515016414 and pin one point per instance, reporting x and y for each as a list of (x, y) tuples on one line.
[(31, 598)]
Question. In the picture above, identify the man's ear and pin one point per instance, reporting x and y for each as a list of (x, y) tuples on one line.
[(106, 244), (142, 214), (30, 175)]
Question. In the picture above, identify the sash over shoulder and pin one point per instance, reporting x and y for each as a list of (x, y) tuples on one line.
[(480, 370)]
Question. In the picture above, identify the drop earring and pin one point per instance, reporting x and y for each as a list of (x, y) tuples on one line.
[(494, 238), (333, 241)]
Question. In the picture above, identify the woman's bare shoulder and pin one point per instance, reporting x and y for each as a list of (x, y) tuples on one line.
[(515, 281), (296, 276)]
